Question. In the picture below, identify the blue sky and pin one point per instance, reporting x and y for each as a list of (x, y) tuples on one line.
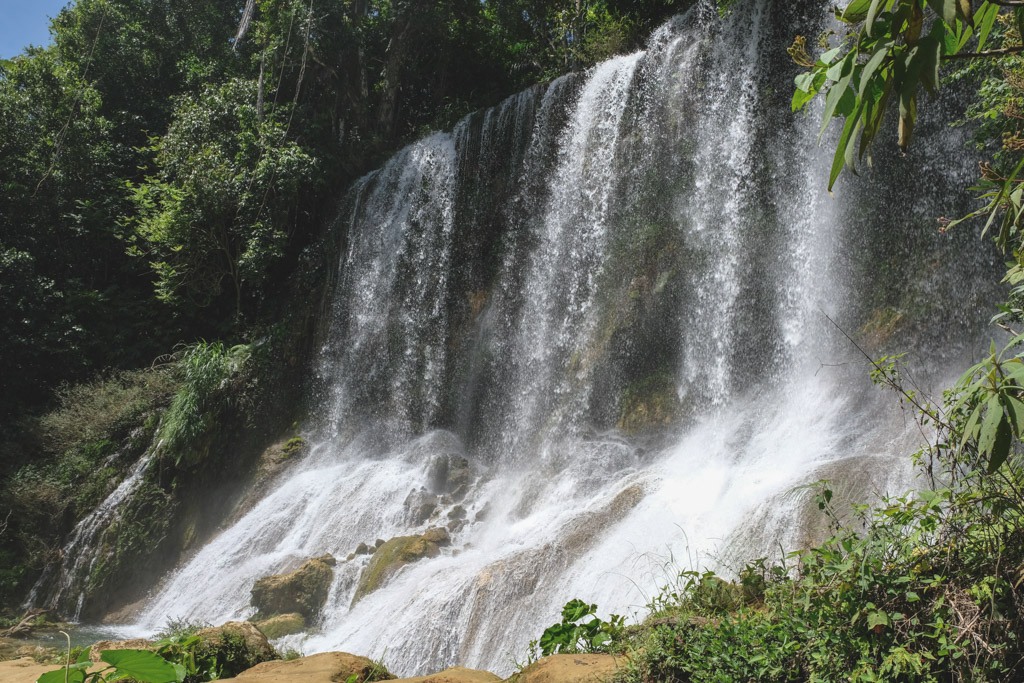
[(24, 23)]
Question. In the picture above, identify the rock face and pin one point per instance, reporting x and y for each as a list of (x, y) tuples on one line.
[(303, 591), (392, 555), (456, 675), (328, 667), (237, 646), (570, 669)]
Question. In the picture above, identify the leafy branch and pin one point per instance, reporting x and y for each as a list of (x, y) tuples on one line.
[(891, 51)]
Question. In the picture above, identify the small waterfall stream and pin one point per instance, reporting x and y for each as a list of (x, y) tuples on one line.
[(603, 300)]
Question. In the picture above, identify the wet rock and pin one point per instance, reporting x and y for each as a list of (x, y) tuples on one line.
[(456, 525), (363, 549), (395, 554), (438, 535), (303, 590), (282, 625), (482, 513), (460, 477), (236, 646), (327, 667), (419, 506), (457, 512), (378, 543), (570, 669)]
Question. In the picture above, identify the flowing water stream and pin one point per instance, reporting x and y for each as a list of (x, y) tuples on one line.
[(587, 329)]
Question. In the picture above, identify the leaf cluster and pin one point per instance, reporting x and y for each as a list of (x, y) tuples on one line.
[(891, 51), (581, 630)]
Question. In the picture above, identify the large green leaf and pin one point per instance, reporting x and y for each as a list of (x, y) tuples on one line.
[(58, 676), (142, 665), (1001, 446), (871, 66), (946, 9), (856, 11), (872, 14), (988, 12), (990, 425)]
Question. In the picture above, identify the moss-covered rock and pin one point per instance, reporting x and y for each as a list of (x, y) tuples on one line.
[(392, 555), (282, 625), (235, 646), (303, 591)]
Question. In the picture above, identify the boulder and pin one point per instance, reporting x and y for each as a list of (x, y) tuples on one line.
[(236, 646), (570, 669), (282, 625), (419, 506), (392, 555), (327, 667), (303, 591), (456, 675)]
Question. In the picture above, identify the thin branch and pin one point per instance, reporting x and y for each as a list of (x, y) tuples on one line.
[(1001, 52)]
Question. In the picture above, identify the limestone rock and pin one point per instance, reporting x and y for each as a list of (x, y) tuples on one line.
[(327, 667), (282, 625), (303, 591), (237, 646), (392, 555), (570, 669), (456, 675)]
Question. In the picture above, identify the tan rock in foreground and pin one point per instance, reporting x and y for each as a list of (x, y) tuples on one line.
[(327, 667), (24, 670), (456, 675), (571, 669)]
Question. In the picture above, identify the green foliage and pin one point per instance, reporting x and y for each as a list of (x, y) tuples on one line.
[(104, 408), (581, 630), (294, 446), (227, 183), (377, 672), (891, 51), (184, 649), (204, 370), (142, 666)]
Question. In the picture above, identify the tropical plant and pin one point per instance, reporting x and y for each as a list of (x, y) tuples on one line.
[(142, 666), (581, 630)]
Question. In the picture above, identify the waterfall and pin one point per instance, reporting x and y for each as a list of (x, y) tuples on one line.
[(603, 303), (83, 550)]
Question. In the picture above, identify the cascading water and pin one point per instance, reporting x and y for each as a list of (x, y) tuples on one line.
[(587, 330), (83, 550)]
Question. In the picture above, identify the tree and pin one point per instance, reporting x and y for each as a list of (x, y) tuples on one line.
[(220, 205)]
